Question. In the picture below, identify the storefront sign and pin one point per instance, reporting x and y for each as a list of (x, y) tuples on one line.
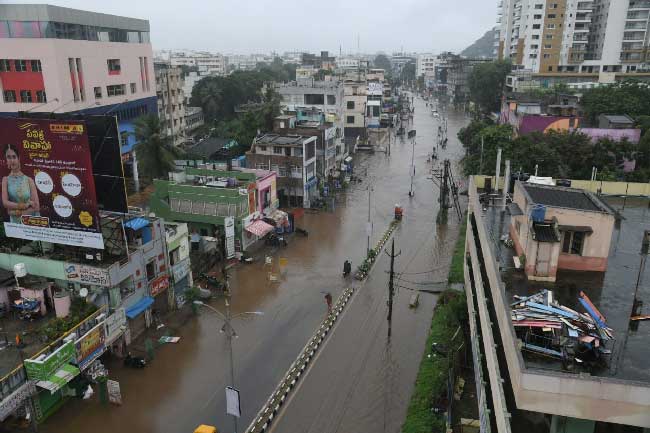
[(159, 285), (115, 324), (330, 133), (114, 392), (51, 181), (181, 269), (90, 346), (42, 370), (86, 274), (16, 399)]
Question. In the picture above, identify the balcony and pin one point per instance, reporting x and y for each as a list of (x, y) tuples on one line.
[(637, 16), (633, 46), (639, 5), (635, 25), (583, 18), (634, 36)]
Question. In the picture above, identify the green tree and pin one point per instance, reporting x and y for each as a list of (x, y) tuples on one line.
[(486, 83), (155, 153), (626, 97), (407, 74), (382, 62)]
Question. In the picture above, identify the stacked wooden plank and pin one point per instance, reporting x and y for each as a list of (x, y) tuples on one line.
[(550, 329)]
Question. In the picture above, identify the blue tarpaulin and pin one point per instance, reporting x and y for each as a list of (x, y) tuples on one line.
[(136, 223), (137, 308)]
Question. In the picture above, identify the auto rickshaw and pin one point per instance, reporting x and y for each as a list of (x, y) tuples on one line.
[(398, 212), (206, 429)]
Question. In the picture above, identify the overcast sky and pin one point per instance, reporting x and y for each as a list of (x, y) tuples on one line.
[(260, 26)]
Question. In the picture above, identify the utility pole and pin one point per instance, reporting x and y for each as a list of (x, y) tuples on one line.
[(229, 335), (480, 167), (498, 171), (391, 286), (411, 192)]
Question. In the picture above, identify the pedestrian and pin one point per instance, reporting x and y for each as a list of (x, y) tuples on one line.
[(328, 299)]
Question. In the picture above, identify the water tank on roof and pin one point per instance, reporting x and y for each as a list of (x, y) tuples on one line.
[(538, 213)]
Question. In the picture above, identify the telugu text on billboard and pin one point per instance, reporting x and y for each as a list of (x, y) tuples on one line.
[(48, 191), (90, 346)]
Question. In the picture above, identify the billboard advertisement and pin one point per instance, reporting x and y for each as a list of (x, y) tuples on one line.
[(48, 190), (43, 369), (90, 346)]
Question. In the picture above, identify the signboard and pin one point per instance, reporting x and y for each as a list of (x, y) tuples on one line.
[(251, 198), (232, 402), (16, 399), (115, 324), (86, 274), (375, 88), (42, 370), (181, 269), (114, 393), (330, 133), (229, 223), (47, 177), (160, 284), (90, 346)]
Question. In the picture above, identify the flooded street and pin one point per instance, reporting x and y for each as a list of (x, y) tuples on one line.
[(359, 381)]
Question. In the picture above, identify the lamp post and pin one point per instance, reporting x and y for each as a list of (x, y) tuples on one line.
[(230, 333)]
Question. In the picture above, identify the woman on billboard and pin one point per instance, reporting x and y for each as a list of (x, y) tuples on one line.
[(19, 194)]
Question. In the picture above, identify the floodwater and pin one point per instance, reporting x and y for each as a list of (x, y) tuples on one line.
[(360, 381)]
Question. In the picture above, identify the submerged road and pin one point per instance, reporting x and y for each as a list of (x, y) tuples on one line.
[(360, 382)]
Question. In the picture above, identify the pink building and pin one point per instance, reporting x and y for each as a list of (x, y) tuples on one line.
[(61, 60), (559, 228)]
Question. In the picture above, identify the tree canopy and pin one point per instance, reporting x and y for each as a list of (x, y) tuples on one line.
[(626, 97), (154, 150), (382, 62), (486, 83), (557, 154)]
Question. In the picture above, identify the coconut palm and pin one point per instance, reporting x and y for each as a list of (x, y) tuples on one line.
[(155, 152)]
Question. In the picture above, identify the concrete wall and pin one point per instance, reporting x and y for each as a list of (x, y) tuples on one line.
[(596, 186), (577, 396)]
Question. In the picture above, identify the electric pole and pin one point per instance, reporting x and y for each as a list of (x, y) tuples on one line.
[(369, 224), (391, 287)]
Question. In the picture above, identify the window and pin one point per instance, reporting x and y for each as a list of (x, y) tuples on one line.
[(537, 17), (553, 6), (262, 148), (116, 90), (98, 92), (349, 119), (573, 242), (314, 99), (9, 96), (277, 150), (350, 105), (26, 96), (5, 66), (534, 47), (551, 16), (133, 88), (539, 6), (533, 56), (547, 56), (36, 65), (20, 65), (331, 100), (550, 26), (536, 26), (548, 36), (113, 66), (550, 68), (151, 270), (535, 37), (41, 96), (548, 46)]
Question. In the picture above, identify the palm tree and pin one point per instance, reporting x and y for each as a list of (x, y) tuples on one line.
[(155, 153)]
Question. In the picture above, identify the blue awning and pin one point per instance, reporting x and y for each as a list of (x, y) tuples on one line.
[(137, 308), (136, 223)]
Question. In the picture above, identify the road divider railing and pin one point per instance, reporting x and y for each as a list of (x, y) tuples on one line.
[(271, 408), (364, 268)]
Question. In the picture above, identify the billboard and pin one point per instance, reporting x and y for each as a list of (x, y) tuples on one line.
[(86, 274), (48, 190), (43, 369), (90, 346)]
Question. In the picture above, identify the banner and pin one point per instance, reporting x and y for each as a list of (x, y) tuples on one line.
[(86, 274), (159, 285), (229, 223), (48, 188), (90, 346), (114, 392), (115, 324), (43, 369)]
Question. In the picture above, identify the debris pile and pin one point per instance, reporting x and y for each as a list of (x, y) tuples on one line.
[(552, 330)]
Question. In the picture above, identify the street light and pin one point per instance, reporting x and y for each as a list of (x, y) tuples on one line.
[(230, 333)]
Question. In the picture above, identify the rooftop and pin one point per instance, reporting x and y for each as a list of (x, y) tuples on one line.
[(286, 140), (618, 118), (612, 292), (564, 197)]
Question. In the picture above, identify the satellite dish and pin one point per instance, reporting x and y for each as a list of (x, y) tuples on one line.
[(83, 292)]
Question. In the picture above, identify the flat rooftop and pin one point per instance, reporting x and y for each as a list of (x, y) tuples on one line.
[(277, 139), (563, 197), (612, 292)]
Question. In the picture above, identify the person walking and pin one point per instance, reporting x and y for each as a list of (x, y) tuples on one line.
[(328, 300)]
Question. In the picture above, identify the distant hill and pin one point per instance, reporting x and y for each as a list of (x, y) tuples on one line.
[(484, 47)]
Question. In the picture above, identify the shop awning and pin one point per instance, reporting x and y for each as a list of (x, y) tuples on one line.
[(136, 223), (259, 228), (137, 308), (55, 382)]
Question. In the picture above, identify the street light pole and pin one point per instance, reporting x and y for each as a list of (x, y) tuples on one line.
[(230, 333)]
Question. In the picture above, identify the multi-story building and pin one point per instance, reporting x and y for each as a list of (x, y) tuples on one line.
[(61, 60), (193, 119), (293, 158), (348, 63), (171, 101), (324, 61), (601, 38), (426, 65), (205, 63), (533, 378), (354, 109)]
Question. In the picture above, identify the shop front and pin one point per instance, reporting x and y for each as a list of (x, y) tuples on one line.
[(181, 273), (139, 317), (158, 290), (116, 326), (52, 373)]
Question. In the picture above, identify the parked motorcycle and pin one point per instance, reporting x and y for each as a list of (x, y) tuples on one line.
[(134, 361), (302, 232)]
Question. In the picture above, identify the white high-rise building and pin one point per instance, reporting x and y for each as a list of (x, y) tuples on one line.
[(426, 65), (555, 37)]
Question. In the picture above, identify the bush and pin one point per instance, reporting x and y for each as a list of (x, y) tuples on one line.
[(79, 310)]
